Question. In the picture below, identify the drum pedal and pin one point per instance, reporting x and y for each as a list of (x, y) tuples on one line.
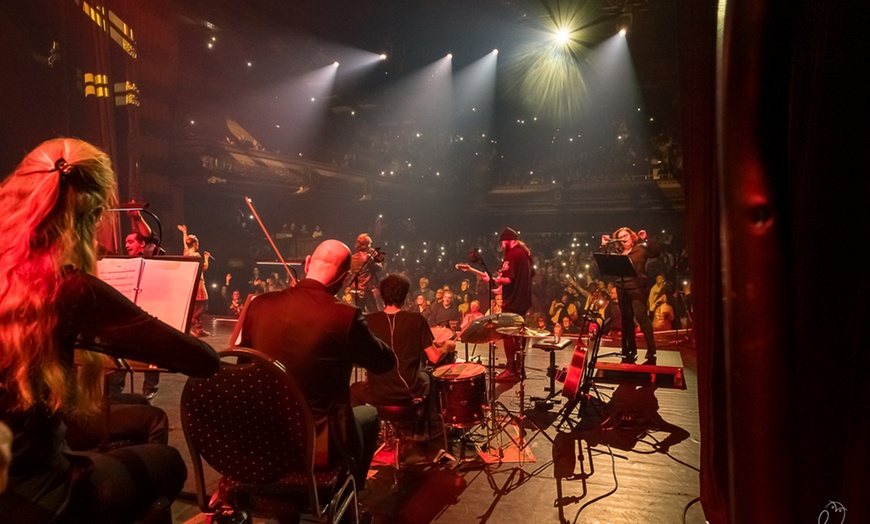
[(544, 405), (443, 458)]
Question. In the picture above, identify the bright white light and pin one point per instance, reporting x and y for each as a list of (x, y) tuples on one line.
[(450, 56), (383, 57), (622, 32), (495, 51), (335, 63), (250, 64)]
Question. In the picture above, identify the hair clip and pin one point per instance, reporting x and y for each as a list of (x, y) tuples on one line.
[(64, 168)]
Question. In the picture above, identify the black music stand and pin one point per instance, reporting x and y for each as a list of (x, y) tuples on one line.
[(618, 266)]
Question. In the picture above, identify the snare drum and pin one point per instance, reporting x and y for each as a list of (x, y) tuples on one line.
[(461, 390)]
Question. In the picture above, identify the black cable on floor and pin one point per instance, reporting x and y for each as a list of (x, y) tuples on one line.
[(611, 492), (689, 505)]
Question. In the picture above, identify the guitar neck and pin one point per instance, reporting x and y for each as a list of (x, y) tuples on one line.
[(467, 268)]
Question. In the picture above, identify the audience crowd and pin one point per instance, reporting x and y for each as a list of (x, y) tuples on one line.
[(566, 282)]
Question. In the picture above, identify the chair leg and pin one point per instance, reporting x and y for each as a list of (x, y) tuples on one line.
[(397, 446)]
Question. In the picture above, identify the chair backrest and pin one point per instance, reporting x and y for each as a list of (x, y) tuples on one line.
[(249, 421)]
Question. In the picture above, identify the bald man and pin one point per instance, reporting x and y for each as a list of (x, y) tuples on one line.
[(319, 339)]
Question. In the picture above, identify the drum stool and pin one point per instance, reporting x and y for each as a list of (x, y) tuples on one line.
[(392, 418)]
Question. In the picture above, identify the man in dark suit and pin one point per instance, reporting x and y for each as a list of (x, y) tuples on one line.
[(319, 339)]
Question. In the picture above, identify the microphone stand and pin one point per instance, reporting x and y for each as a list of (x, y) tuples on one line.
[(489, 289), (497, 427), (142, 209), (354, 282)]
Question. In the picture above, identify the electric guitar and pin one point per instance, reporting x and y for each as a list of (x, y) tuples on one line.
[(481, 274), (468, 268)]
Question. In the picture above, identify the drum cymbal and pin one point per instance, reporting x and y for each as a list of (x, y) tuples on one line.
[(484, 329), (522, 331)]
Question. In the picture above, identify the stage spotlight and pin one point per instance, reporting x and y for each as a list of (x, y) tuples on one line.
[(623, 23), (563, 35), (383, 57), (495, 51), (335, 63), (450, 56)]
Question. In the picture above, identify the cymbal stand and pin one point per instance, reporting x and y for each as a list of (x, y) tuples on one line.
[(499, 426)]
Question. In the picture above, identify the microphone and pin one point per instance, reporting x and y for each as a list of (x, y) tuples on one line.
[(615, 240), (211, 257)]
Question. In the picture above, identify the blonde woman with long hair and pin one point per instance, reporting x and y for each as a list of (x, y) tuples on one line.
[(51, 304)]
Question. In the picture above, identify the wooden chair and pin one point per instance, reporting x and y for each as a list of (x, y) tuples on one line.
[(251, 424)]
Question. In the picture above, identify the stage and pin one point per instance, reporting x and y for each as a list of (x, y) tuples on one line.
[(638, 437)]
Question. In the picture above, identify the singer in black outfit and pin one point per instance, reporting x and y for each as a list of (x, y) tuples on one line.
[(632, 292)]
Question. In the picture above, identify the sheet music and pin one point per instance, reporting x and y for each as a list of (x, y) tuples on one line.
[(163, 287), (166, 288), (122, 274)]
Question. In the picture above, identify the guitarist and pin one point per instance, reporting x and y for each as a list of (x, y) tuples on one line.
[(515, 277)]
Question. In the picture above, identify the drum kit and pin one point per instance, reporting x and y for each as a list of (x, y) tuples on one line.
[(463, 398)]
